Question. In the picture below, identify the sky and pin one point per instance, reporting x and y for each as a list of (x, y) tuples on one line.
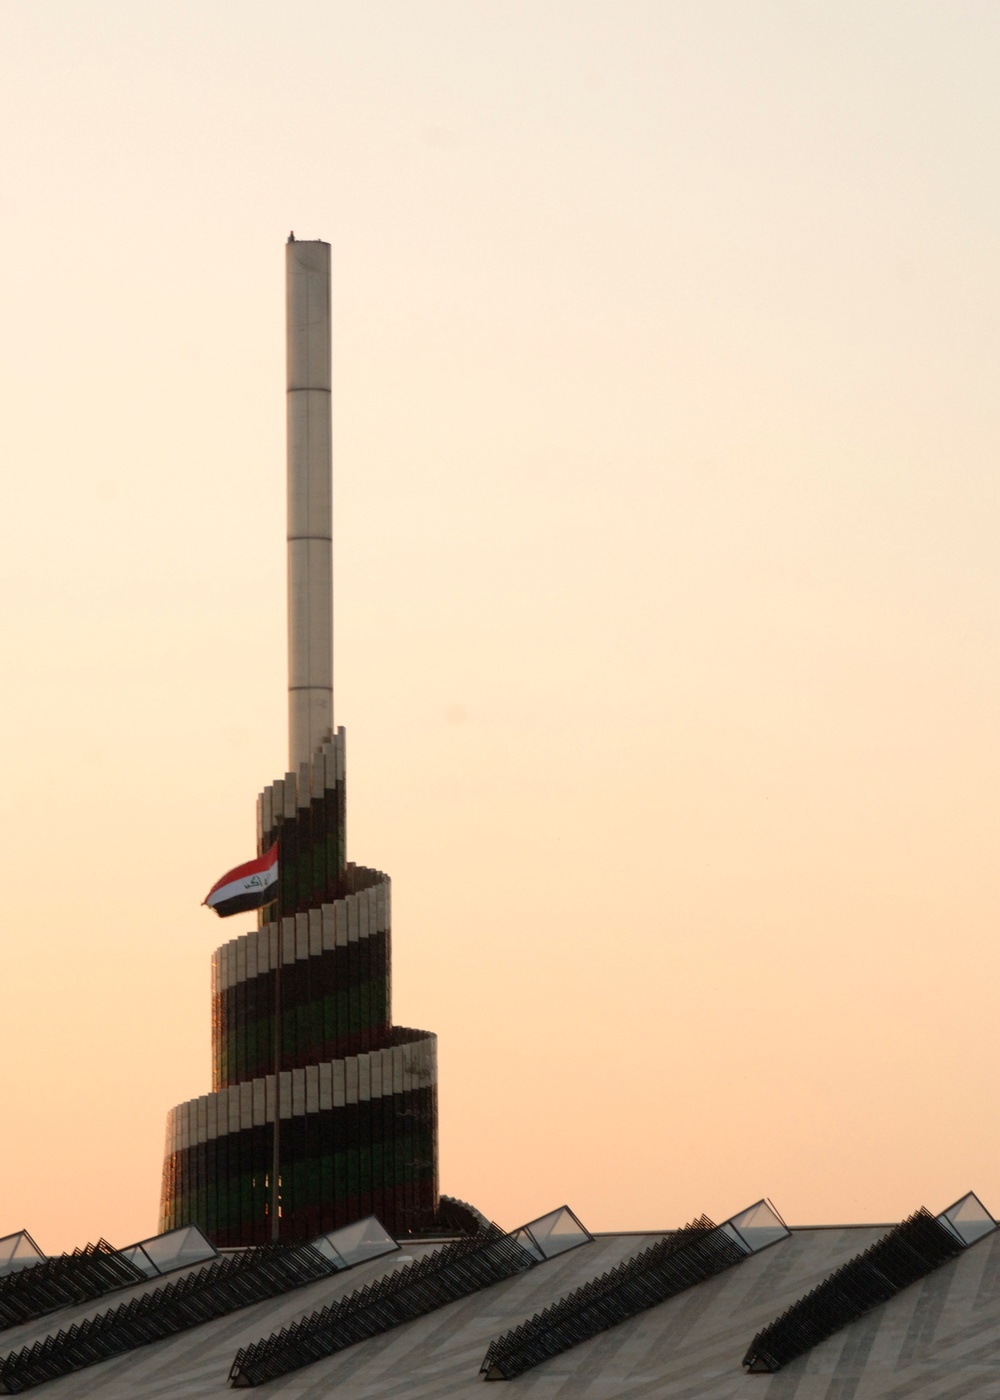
[(667, 590)]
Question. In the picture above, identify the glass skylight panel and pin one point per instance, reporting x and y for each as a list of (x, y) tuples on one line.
[(135, 1254), (556, 1232), (524, 1239), (759, 1225), (177, 1249), (323, 1246), (968, 1219), (354, 1244), (726, 1228), (19, 1252)]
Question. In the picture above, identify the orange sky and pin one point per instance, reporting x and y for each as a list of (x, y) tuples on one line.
[(666, 497)]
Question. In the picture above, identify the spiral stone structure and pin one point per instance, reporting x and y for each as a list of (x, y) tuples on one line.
[(321, 1111)]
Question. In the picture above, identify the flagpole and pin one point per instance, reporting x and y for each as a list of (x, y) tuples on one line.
[(275, 1205)]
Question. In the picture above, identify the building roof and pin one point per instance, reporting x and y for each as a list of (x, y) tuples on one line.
[(938, 1338)]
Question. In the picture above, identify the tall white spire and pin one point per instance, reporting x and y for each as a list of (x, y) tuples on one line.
[(310, 493)]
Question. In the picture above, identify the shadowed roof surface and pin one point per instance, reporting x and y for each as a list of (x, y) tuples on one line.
[(939, 1339)]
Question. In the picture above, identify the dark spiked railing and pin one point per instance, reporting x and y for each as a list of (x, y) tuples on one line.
[(665, 1269), (63, 1280), (907, 1253), (210, 1292), (453, 1271)]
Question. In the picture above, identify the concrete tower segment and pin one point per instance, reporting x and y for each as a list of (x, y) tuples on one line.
[(310, 500)]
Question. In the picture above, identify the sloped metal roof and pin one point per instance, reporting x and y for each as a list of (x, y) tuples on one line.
[(939, 1339)]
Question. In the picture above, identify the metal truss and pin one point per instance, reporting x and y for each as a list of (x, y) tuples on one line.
[(206, 1293), (665, 1269), (63, 1280), (453, 1271), (921, 1244)]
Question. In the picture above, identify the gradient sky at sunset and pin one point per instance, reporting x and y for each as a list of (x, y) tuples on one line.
[(667, 510)]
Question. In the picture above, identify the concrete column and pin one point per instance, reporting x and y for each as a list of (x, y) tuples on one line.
[(310, 510)]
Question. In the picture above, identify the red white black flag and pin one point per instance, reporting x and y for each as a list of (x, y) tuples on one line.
[(247, 887)]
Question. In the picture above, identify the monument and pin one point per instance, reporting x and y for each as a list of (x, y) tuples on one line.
[(322, 1111)]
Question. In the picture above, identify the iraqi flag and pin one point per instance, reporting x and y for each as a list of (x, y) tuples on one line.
[(247, 887)]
